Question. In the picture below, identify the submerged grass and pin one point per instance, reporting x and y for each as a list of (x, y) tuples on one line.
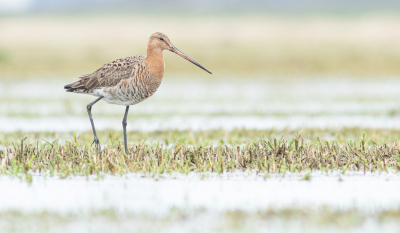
[(262, 155), (108, 220), (207, 137)]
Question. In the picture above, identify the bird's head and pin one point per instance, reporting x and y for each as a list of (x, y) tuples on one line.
[(161, 41)]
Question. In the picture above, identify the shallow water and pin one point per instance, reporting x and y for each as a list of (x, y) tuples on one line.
[(136, 193), (190, 103), (197, 202)]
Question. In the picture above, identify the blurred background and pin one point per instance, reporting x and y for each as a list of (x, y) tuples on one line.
[(291, 64), (43, 38)]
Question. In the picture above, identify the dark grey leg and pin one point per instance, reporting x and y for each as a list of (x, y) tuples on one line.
[(124, 123), (89, 110)]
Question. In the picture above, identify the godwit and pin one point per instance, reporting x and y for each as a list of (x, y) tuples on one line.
[(127, 81)]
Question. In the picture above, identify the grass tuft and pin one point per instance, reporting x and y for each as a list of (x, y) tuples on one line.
[(276, 156)]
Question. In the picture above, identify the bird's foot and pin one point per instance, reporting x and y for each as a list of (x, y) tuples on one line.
[(96, 142)]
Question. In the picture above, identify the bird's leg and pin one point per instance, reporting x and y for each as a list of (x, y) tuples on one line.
[(124, 123), (89, 110)]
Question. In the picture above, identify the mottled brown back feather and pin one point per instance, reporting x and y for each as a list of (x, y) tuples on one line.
[(109, 74)]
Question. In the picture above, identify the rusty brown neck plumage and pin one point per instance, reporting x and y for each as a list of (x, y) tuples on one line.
[(155, 62)]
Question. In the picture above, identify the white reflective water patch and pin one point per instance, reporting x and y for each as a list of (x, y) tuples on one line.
[(231, 191), (192, 103)]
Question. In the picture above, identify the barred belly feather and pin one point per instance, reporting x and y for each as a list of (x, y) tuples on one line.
[(130, 91)]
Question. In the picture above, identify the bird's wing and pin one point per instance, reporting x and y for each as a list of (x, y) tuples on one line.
[(109, 74)]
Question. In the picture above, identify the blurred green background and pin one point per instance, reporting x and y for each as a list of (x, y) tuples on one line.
[(48, 39)]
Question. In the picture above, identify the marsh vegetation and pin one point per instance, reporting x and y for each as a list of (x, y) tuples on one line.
[(275, 155)]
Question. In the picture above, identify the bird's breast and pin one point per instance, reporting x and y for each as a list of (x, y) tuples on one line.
[(133, 90)]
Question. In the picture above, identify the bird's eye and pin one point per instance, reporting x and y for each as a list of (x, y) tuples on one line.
[(161, 38)]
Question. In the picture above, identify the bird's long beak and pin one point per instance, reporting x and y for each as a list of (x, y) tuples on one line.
[(177, 51)]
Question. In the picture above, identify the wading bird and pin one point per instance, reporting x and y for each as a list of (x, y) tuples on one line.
[(127, 81)]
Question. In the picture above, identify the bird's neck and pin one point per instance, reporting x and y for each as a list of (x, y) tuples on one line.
[(155, 62)]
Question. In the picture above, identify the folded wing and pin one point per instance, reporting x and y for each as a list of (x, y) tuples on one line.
[(108, 75)]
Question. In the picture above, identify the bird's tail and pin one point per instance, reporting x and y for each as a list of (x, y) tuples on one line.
[(69, 87)]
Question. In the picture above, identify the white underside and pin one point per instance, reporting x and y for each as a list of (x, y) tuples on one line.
[(118, 99)]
